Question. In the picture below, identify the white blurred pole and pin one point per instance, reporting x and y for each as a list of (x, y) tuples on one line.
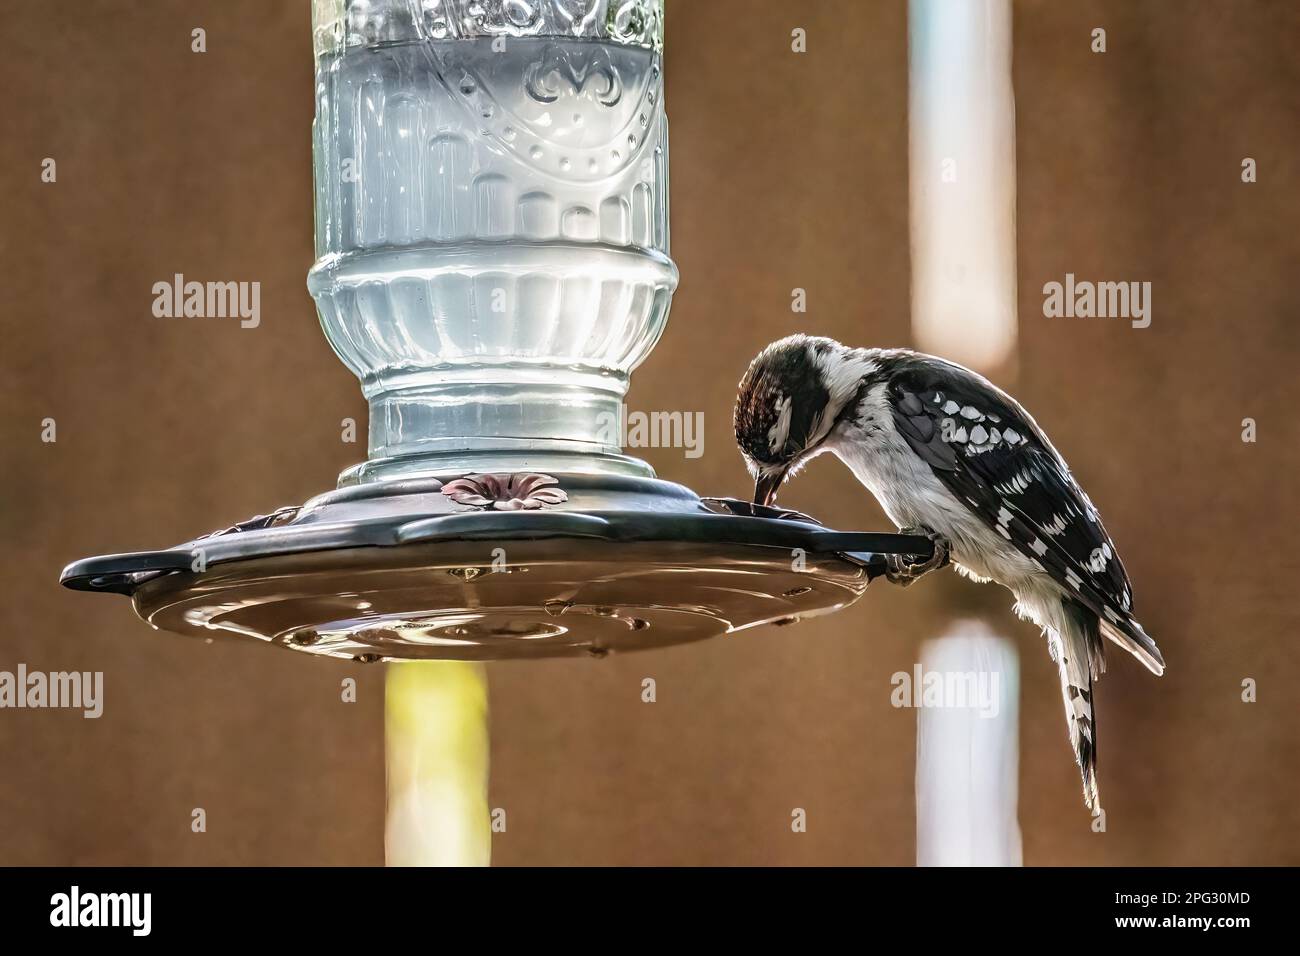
[(967, 753), (961, 116), (436, 755), (961, 120)]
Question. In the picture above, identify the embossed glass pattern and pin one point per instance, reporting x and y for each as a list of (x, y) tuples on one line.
[(491, 221)]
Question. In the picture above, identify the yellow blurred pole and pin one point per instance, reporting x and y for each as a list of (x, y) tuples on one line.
[(436, 743)]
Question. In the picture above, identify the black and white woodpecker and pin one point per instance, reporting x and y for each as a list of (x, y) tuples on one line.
[(951, 456)]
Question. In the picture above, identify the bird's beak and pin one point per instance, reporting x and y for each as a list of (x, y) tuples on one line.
[(766, 485)]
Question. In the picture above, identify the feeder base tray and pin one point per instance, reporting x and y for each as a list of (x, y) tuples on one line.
[(427, 570), (549, 598)]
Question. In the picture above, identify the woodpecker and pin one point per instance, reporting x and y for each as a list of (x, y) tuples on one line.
[(951, 456)]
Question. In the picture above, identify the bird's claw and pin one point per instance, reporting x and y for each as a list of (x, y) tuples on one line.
[(901, 571)]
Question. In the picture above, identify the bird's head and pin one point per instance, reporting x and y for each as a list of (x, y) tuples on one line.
[(789, 402)]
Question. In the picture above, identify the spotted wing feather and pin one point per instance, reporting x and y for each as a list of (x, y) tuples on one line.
[(990, 453)]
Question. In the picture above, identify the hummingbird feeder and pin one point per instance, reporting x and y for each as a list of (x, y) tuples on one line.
[(491, 183)]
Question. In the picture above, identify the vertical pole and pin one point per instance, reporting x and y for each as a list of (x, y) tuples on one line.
[(967, 750), (436, 751), (961, 121)]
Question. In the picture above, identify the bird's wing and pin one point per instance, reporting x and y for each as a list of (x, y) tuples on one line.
[(990, 453)]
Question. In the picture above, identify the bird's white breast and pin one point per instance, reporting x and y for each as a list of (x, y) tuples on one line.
[(911, 495)]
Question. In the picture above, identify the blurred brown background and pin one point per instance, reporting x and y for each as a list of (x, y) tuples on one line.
[(788, 171)]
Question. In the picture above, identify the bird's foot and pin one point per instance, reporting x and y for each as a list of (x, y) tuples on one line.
[(901, 571)]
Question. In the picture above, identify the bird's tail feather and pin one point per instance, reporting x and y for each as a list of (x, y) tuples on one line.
[(1128, 634), (1075, 640)]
